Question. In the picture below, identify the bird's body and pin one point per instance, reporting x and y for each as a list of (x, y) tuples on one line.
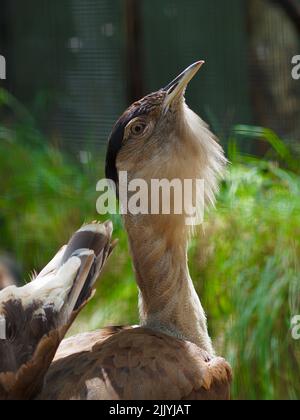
[(170, 355), (134, 363)]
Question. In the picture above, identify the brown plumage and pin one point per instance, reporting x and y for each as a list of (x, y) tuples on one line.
[(170, 356), (35, 318), (135, 363)]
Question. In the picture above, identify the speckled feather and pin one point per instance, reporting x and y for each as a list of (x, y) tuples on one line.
[(38, 315), (135, 364)]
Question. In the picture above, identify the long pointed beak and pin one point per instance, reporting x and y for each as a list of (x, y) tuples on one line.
[(178, 86)]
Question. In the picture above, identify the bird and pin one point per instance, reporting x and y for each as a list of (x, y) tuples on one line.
[(35, 318), (169, 355)]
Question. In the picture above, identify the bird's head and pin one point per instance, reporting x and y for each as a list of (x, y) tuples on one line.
[(160, 137)]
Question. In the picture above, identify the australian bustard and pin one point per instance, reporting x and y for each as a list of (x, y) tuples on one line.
[(170, 355)]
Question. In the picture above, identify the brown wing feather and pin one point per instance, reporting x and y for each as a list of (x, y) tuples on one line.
[(136, 364), (35, 326)]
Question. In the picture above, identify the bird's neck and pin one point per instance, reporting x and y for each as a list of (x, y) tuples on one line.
[(168, 300)]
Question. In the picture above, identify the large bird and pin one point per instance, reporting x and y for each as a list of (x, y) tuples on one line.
[(170, 355)]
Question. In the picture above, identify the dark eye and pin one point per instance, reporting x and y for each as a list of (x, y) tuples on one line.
[(138, 128)]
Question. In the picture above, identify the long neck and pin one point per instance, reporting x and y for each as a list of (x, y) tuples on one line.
[(168, 300)]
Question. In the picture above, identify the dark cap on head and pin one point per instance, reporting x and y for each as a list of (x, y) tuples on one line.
[(162, 98), (115, 142)]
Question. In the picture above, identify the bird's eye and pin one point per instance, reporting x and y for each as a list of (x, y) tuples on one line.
[(138, 128)]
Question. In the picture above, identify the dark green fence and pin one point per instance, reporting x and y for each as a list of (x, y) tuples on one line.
[(177, 33), (77, 64)]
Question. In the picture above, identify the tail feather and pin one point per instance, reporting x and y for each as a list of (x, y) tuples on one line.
[(91, 237), (36, 317)]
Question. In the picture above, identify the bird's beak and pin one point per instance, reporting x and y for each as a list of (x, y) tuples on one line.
[(177, 87)]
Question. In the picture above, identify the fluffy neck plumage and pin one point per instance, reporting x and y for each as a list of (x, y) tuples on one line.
[(168, 300)]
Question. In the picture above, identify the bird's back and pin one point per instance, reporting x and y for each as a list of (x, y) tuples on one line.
[(134, 364)]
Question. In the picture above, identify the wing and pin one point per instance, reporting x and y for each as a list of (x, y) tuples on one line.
[(136, 364), (35, 318)]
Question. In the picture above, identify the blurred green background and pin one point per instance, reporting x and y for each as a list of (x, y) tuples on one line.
[(72, 67)]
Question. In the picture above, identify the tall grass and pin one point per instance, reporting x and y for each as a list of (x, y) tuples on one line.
[(247, 266), (245, 263)]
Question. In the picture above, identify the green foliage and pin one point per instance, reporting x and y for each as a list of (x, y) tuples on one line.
[(245, 264)]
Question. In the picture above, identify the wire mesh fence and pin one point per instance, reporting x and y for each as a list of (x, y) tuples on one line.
[(77, 65)]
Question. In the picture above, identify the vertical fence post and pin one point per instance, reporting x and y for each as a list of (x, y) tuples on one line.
[(134, 50), (2, 68), (4, 39)]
